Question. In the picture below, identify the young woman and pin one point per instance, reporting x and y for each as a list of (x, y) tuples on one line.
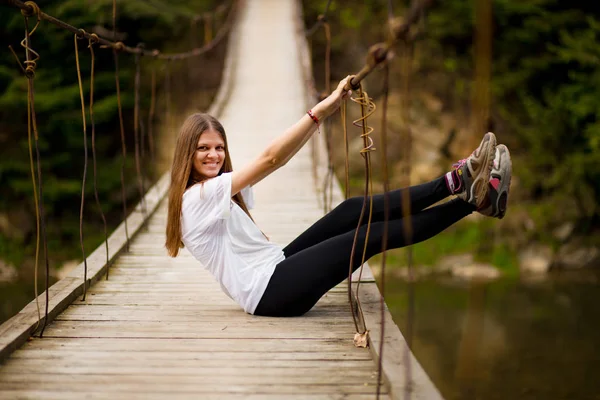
[(208, 213)]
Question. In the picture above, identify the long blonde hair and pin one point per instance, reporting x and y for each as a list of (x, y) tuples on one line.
[(182, 169)]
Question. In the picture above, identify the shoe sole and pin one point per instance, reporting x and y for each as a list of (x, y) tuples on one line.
[(503, 169), (484, 157)]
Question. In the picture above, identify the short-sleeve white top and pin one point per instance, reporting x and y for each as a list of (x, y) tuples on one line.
[(227, 242)]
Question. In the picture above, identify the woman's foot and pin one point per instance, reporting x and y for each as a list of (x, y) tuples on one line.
[(496, 200), (469, 178)]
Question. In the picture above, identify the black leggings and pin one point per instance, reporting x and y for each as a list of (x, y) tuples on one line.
[(319, 258)]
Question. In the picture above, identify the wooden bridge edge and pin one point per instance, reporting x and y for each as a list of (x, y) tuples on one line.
[(396, 353), (18, 329)]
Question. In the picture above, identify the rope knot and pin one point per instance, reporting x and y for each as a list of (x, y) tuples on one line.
[(30, 69), (34, 9), (119, 46), (81, 34), (94, 38)]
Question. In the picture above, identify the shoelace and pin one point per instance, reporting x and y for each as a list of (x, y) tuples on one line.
[(459, 163)]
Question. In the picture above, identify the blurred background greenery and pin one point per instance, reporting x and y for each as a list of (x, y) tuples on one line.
[(544, 90), (498, 309), (169, 27)]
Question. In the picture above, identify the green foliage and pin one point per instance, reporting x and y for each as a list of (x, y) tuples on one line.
[(58, 113), (545, 86)]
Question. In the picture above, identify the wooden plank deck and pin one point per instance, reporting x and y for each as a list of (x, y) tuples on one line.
[(161, 327)]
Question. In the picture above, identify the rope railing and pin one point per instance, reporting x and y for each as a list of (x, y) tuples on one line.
[(29, 9), (28, 67), (399, 30)]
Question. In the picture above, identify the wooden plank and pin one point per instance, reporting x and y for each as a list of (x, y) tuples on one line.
[(193, 354), (18, 329), (162, 327), (174, 345), (301, 372), (129, 384), (143, 394)]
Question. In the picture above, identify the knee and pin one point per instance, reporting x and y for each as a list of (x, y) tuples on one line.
[(349, 206)]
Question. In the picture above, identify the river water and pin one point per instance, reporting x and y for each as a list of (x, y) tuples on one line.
[(505, 339)]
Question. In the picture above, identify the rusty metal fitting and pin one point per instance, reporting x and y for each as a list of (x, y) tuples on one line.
[(377, 54), (94, 38), (119, 46), (34, 9), (81, 34)]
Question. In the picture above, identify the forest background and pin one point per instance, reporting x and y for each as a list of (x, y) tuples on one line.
[(545, 91)]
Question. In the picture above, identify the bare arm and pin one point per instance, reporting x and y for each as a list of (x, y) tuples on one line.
[(285, 146)]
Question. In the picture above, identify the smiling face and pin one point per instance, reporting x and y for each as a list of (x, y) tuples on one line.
[(210, 155)]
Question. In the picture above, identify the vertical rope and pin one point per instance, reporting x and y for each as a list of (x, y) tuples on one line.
[(35, 193), (406, 146), (151, 119), (386, 198), (136, 133), (346, 151), (483, 67), (328, 181), (367, 108), (168, 93), (122, 128), (32, 125), (386, 217), (208, 28), (466, 369), (85, 164), (94, 39)]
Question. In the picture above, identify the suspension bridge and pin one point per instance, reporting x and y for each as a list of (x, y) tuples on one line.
[(162, 327)]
